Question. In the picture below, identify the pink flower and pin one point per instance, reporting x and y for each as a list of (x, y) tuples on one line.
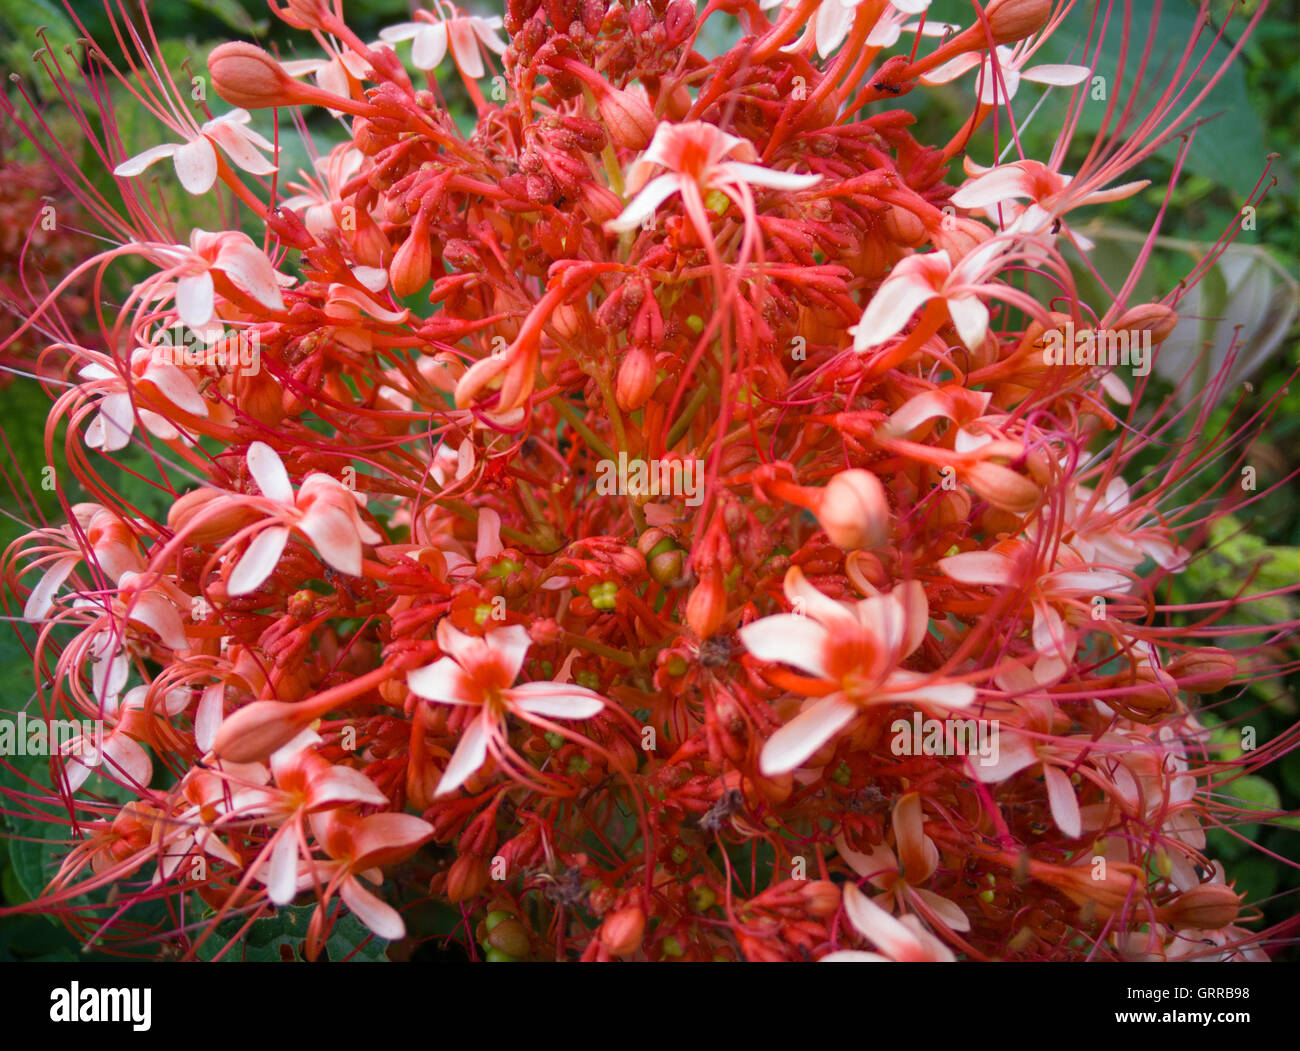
[(480, 672), (324, 510), (195, 159), (900, 941), (917, 280), (1002, 86), (854, 653), (359, 847), (188, 273), (1049, 192), (1049, 589), (431, 36), (151, 374), (696, 156), (901, 874)]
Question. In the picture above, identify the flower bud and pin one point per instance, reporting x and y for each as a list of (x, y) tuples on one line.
[(854, 511), (249, 77), (706, 608), (1013, 20), (211, 514), (1206, 908), (822, 898), (629, 119), (621, 932), (1003, 487), (412, 265), (258, 729), (636, 379), (1155, 318), (466, 878), (1205, 670)]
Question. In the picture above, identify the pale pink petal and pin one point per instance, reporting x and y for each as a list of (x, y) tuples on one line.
[(993, 187), (334, 533), (914, 281), (40, 601), (237, 144), (342, 784), (378, 916), (873, 922), (1049, 629), (489, 535), (247, 266), (196, 165), (806, 599), (156, 611), (952, 69), (948, 912), (135, 165), (195, 299), (111, 428), (444, 681), (787, 639), (971, 319), (125, 761), (282, 872), (1060, 75), (979, 567), (1064, 803), (555, 700), (177, 388), (999, 88), (757, 175), (267, 469), (876, 863), (486, 29), (464, 48), (832, 25), (803, 735), (469, 756), (208, 716), (908, 686), (1015, 753), (511, 643), (643, 205), (258, 561)]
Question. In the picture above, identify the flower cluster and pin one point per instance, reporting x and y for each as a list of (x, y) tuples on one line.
[(391, 642)]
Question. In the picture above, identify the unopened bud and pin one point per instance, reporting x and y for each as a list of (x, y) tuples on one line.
[(854, 511), (1205, 670), (1013, 20), (706, 608), (466, 878), (622, 930), (1003, 487), (1206, 908), (628, 117), (636, 379), (1155, 318)]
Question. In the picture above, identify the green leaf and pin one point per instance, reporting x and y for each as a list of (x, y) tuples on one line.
[(19, 21), (232, 14)]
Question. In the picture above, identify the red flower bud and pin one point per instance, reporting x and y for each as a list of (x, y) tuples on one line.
[(622, 930), (854, 511)]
